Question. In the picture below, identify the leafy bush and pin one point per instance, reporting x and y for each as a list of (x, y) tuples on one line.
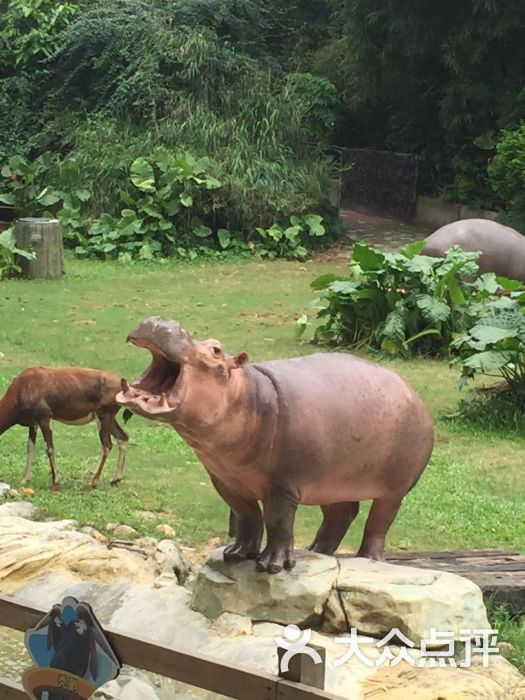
[(494, 348), (31, 30), (291, 241), (23, 182), (26, 189), (402, 303), (163, 195), (9, 252), (495, 345), (507, 173)]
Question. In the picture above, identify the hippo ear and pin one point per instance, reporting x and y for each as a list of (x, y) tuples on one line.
[(241, 359)]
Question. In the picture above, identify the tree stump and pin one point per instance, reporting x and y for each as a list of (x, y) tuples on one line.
[(43, 237)]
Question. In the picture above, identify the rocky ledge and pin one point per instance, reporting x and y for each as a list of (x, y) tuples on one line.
[(233, 612)]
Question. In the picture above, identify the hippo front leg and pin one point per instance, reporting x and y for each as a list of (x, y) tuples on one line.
[(249, 526), (280, 507)]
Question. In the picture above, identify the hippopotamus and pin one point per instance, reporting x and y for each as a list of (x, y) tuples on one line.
[(502, 248), (328, 429)]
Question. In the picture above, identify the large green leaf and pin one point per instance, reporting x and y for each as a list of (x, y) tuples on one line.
[(492, 334), (488, 361), (315, 224), (343, 286), (368, 258), (142, 175), (487, 282), (202, 231), (224, 237), (421, 264), (47, 199), (433, 310), (510, 285), (7, 198), (394, 328), (412, 249), (323, 281)]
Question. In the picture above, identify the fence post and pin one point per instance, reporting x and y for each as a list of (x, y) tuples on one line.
[(303, 669)]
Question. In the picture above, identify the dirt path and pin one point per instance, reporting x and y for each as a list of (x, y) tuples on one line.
[(380, 232)]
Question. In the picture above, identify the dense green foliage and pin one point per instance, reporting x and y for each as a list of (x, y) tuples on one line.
[(507, 174), (401, 303), (125, 77), (495, 345), (436, 79), (262, 89), (10, 254)]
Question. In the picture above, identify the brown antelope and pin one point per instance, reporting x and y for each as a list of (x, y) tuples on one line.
[(70, 395)]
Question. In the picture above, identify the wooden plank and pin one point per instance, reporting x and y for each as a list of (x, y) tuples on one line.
[(436, 554), (9, 690), (288, 690), (195, 669)]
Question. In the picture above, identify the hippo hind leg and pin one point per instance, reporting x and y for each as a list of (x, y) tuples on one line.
[(337, 518), (380, 517)]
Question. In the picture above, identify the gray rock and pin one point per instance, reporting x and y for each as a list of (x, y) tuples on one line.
[(231, 625), (165, 530), (296, 596), (19, 509), (376, 597), (124, 530), (170, 559)]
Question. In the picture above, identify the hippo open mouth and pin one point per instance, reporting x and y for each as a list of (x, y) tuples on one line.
[(158, 390)]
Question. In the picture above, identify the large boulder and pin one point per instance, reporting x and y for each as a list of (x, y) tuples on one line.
[(376, 597), (29, 548), (130, 602), (296, 596), (340, 594)]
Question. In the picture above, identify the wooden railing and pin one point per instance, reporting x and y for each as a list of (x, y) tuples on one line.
[(198, 670)]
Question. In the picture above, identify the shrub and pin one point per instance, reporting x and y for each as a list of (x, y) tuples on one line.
[(507, 173), (293, 240), (23, 185), (9, 252), (46, 186), (495, 345), (161, 200), (31, 31), (402, 303)]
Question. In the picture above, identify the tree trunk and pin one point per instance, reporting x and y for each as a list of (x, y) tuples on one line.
[(44, 237)]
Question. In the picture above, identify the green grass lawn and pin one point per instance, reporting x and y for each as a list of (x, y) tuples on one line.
[(471, 494)]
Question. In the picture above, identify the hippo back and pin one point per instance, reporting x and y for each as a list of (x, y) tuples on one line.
[(337, 409), (502, 248)]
